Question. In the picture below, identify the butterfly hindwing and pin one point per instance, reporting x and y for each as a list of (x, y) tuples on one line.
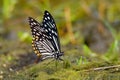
[(38, 41)]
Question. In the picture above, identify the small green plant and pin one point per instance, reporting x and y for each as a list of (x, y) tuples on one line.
[(66, 64), (81, 60), (113, 51), (88, 52)]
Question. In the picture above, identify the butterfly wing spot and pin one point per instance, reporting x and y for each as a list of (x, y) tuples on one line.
[(37, 52), (45, 18), (32, 45), (46, 30), (54, 26), (36, 37), (43, 35), (34, 48), (40, 39), (55, 33), (52, 31), (34, 30), (31, 24), (50, 34), (37, 43), (49, 29), (47, 13), (33, 38), (45, 25), (37, 34), (34, 23), (48, 17), (50, 37), (30, 19), (32, 41)]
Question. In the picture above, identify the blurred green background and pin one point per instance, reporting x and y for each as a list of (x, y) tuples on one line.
[(88, 29)]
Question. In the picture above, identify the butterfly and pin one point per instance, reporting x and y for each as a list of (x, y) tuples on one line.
[(45, 41)]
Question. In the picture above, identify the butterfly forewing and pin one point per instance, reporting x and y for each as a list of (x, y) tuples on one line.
[(50, 27)]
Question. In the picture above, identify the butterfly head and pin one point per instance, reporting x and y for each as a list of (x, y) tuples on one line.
[(57, 55)]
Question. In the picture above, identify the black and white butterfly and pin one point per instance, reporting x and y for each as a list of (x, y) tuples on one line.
[(45, 42)]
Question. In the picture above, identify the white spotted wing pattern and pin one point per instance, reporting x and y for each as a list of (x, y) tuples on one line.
[(45, 40)]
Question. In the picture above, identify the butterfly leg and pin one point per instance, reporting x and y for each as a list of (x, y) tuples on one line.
[(50, 62), (61, 59), (56, 63)]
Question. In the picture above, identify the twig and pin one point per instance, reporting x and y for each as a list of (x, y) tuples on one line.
[(103, 68)]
